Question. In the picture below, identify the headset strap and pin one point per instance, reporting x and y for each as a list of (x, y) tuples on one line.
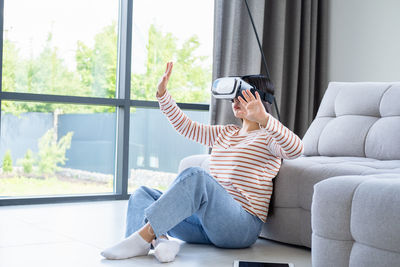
[(266, 96)]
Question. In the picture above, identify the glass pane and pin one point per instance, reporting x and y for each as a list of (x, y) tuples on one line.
[(156, 148), (56, 149), (60, 47), (177, 30)]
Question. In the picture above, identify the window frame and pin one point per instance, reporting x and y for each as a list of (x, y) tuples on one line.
[(121, 102)]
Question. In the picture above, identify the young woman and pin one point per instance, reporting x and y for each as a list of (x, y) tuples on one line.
[(225, 207)]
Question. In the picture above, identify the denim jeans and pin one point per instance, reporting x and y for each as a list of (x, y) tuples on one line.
[(195, 209)]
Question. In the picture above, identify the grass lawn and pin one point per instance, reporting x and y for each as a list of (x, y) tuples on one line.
[(23, 186), (17, 183)]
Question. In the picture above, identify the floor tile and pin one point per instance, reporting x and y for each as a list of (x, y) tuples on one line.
[(96, 223), (14, 232), (62, 254), (74, 234)]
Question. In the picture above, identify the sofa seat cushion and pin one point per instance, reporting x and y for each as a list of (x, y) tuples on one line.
[(294, 183), (296, 179), (290, 221)]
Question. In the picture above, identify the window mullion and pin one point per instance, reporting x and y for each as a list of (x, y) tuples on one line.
[(123, 92)]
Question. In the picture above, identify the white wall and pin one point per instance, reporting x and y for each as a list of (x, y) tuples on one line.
[(364, 40)]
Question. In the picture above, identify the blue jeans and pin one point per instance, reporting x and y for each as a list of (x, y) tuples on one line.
[(195, 209)]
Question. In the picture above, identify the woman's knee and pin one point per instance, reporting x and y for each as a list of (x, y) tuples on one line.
[(193, 174), (191, 170), (142, 190), (145, 192)]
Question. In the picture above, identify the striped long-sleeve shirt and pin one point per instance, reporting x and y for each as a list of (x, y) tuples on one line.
[(243, 164)]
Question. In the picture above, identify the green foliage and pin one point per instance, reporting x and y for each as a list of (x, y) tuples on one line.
[(189, 81), (7, 162), (49, 74), (10, 63), (52, 152), (45, 74), (97, 66), (95, 73), (27, 161)]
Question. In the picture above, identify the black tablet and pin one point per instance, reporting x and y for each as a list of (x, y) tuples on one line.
[(240, 263)]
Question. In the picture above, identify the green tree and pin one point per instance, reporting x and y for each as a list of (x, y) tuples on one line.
[(27, 161), (190, 80), (11, 72), (84, 63), (7, 162), (45, 74), (10, 63), (51, 153), (95, 73), (48, 73), (97, 66), (105, 59)]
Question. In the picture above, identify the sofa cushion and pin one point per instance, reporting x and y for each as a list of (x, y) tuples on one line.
[(387, 131), (375, 215), (294, 188), (296, 179), (356, 221), (358, 120)]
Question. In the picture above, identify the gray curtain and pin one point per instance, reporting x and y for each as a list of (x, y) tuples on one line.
[(236, 52), (293, 35)]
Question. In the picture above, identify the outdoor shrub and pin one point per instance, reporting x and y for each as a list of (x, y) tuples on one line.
[(7, 162), (52, 152), (27, 161)]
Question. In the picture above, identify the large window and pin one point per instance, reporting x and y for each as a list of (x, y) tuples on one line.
[(64, 149), (178, 30), (155, 151), (181, 31), (79, 117), (60, 47)]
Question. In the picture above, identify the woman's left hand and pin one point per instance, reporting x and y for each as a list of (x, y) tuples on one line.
[(253, 108)]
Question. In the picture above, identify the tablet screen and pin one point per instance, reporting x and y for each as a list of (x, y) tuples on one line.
[(261, 264)]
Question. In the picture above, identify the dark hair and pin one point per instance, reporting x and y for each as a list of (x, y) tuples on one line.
[(263, 83)]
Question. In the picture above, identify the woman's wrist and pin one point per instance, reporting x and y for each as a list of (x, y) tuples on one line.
[(264, 120), (158, 94)]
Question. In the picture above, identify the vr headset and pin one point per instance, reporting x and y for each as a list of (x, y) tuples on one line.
[(232, 87)]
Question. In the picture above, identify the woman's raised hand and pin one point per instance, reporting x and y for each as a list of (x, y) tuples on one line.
[(253, 108), (162, 84)]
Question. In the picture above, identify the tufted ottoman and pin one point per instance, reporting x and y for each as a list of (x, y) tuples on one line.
[(356, 221)]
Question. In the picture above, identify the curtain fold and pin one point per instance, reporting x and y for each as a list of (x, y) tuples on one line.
[(295, 45), (236, 52), (294, 40)]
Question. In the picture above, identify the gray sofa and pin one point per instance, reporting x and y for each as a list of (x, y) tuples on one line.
[(352, 145)]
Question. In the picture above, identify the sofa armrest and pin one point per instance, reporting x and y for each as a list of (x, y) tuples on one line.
[(201, 160), (356, 221)]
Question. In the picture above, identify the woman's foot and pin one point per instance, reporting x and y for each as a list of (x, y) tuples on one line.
[(165, 250), (132, 246)]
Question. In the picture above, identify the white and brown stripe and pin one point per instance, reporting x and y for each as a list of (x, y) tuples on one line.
[(243, 164)]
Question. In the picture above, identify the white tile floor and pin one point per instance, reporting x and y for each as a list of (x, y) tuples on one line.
[(74, 234)]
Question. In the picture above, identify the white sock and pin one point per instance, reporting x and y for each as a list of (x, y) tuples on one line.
[(165, 250), (132, 246)]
